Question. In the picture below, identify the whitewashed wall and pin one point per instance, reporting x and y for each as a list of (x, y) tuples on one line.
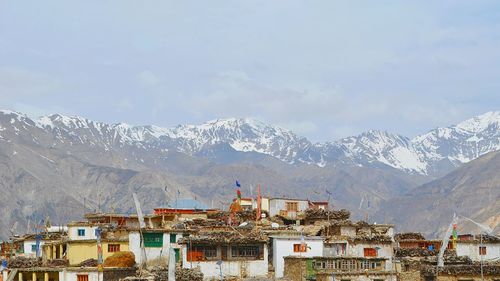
[(472, 250), (275, 205), (385, 251), (210, 269), (28, 246), (151, 253), (283, 247), (72, 275), (89, 232)]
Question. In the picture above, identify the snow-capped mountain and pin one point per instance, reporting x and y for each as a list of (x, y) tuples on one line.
[(463, 142), (435, 152), (432, 153)]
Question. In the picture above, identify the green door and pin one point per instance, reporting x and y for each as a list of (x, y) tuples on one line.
[(177, 254)]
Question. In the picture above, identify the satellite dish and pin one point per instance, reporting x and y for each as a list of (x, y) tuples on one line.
[(275, 225)]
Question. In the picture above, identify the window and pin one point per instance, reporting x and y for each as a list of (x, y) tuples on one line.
[(202, 253), (292, 206), (370, 252), (378, 280), (300, 248), (33, 248), (245, 251), (376, 265), (319, 265), (173, 238), (407, 267), (113, 248), (348, 265), (82, 277), (365, 264), (482, 250), (153, 240), (81, 232)]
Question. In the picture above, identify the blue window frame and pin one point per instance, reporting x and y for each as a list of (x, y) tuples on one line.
[(81, 232)]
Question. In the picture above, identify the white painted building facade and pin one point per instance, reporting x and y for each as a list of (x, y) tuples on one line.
[(81, 231), (472, 249), (29, 248), (382, 250), (240, 268), (157, 251), (284, 246), (93, 275), (287, 207)]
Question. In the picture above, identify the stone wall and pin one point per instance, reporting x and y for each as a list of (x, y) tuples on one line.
[(409, 276), (117, 274), (295, 269)]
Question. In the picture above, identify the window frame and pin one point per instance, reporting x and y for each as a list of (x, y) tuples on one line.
[(300, 248), (208, 252), (291, 206), (173, 238), (153, 239), (82, 277), (245, 252), (113, 248), (80, 232), (482, 251), (370, 252)]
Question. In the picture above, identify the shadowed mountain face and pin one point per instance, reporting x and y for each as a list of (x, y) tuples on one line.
[(472, 190), (49, 165)]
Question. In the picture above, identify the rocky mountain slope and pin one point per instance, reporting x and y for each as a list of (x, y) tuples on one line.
[(472, 190), (57, 160)]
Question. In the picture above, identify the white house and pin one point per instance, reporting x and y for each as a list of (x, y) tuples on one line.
[(156, 243), (30, 249), (488, 251), (225, 254), (287, 207), (81, 231), (284, 246)]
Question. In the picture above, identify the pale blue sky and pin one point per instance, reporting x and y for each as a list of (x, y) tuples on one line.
[(325, 69)]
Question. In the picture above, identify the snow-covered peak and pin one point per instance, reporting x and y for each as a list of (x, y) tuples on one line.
[(242, 134), (9, 112), (424, 154), (58, 120), (463, 142), (481, 122)]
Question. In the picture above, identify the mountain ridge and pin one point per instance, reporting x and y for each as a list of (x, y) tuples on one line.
[(433, 153)]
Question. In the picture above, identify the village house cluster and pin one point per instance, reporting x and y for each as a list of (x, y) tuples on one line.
[(263, 239)]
